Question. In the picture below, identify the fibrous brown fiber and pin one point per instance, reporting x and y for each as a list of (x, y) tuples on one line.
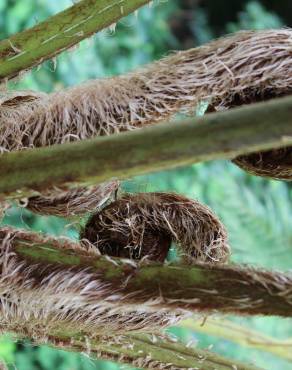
[(244, 67), (275, 164), (144, 224), (41, 298), (73, 202)]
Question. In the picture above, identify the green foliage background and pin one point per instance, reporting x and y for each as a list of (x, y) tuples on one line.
[(257, 212)]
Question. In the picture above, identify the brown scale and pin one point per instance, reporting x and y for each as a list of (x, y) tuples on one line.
[(114, 243), (144, 225), (276, 163)]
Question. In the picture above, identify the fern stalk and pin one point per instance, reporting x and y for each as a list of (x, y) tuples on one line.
[(261, 126), (47, 39), (149, 352), (64, 294), (204, 288)]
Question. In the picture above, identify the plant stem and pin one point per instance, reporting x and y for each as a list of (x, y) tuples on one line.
[(42, 298), (31, 47), (243, 130), (149, 352), (204, 288)]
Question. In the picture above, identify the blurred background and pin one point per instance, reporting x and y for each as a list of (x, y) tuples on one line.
[(256, 212)]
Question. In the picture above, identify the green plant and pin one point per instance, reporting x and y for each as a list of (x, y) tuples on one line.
[(261, 219)]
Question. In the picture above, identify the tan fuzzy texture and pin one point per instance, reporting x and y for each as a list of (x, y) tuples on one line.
[(239, 69), (275, 164), (144, 224), (40, 298), (244, 65), (242, 68), (49, 301), (72, 202)]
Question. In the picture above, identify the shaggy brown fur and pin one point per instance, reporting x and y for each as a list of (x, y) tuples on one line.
[(276, 164), (37, 299), (73, 202), (140, 225), (49, 302), (245, 65), (235, 70)]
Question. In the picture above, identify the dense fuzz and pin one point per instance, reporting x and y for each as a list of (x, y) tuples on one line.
[(72, 202), (54, 288), (276, 164), (243, 66), (81, 301), (41, 299), (144, 224)]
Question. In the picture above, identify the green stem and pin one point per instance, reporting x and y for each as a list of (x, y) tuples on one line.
[(150, 352), (31, 47), (205, 288), (31, 264), (254, 128)]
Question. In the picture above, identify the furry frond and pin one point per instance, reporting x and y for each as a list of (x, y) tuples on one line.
[(275, 164), (244, 66), (144, 224), (72, 202), (40, 298)]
